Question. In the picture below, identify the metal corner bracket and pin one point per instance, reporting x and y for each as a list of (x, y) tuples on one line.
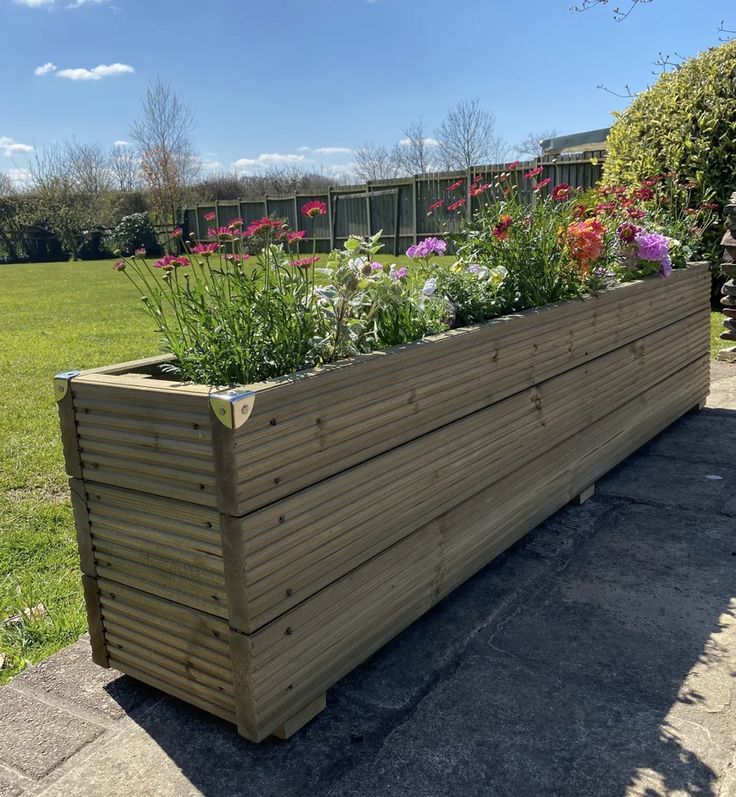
[(232, 407), (61, 383)]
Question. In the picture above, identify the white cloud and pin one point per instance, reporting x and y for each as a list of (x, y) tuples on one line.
[(210, 165), (9, 147), (428, 142), (18, 176), (81, 3), (45, 69), (35, 3), (327, 150), (269, 159), (96, 73), (121, 143)]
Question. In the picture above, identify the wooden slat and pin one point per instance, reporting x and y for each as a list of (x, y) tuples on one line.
[(347, 621), (301, 543)]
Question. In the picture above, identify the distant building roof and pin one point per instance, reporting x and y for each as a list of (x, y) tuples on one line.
[(577, 142)]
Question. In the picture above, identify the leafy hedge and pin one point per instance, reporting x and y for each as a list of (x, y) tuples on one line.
[(684, 124)]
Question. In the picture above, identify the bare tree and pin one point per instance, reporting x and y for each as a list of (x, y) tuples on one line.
[(375, 162), (413, 153), (59, 204), (125, 168), (619, 13), (531, 145), (163, 136), (467, 137)]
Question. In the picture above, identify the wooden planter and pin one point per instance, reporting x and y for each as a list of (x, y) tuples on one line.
[(245, 549)]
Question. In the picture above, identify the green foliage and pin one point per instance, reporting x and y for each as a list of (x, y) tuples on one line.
[(135, 231), (684, 124)]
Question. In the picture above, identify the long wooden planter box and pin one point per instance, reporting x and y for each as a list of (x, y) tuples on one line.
[(245, 549)]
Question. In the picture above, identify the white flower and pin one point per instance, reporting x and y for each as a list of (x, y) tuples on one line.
[(430, 286), (497, 275)]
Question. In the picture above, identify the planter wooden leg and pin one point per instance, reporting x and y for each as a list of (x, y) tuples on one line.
[(301, 718), (699, 406), (583, 496)]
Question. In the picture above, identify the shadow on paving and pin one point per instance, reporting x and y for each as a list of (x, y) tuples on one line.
[(589, 659)]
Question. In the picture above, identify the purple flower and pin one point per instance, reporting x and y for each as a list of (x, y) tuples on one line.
[(473, 268), (376, 266), (653, 247), (430, 286), (427, 248), (398, 274)]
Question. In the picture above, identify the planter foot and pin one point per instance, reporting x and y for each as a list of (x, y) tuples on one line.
[(583, 496), (301, 718), (699, 406)]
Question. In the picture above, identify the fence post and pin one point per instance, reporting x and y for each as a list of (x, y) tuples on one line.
[(414, 200), (331, 218)]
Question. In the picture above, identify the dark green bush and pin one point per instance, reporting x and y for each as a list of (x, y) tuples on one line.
[(135, 231)]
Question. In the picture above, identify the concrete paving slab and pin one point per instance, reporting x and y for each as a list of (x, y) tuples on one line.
[(699, 486), (35, 737), (72, 676)]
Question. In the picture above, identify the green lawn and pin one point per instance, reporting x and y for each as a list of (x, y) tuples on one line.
[(716, 327), (55, 317)]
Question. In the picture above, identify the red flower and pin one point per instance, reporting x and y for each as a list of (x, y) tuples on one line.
[(263, 224), (643, 194), (580, 211), (455, 185), (177, 233), (210, 215), (542, 183), (501, 231), (304, 262), (608, 208), (438, 204), (236, 223), (314, 208), (479, 189), (636, 213), (561, 192), (533, 173), (692, 211), (709, 205), (511, 166), (295, 236), (456, 205)]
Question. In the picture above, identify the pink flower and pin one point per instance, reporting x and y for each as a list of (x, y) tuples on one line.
[(169, 262), (511, 166), (636, 213), (140, 251), (236, 224), (533, 173), (305, 262), (119, 266), (438, 204), (456, 205), (263, 224), (204, 249), (314, 208), (210, 215), (644, 194), (177, 233), (542, 183), (237, 258), (455, 185), (295, 236), (221, 233)]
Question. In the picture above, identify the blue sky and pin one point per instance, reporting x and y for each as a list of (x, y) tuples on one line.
[(307, 81)]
